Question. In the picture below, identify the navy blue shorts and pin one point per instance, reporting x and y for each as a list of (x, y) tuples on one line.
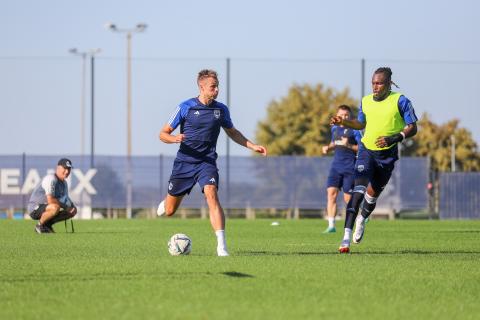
[(341, 179), (376, 166), (185, 175)]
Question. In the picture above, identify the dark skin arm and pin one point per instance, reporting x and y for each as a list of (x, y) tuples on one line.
[(354, 124), (382, 142), (409, 131)]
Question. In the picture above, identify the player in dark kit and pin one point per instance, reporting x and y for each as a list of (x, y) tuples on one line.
[(344, 143), (200, 120), (388, 118)]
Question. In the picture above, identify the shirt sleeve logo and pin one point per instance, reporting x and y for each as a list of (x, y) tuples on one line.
[(216, 113)]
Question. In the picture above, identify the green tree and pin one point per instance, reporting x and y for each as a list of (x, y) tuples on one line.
[(298, 124), (435, 141)]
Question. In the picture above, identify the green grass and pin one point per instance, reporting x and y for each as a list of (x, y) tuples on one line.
[(119, 269)]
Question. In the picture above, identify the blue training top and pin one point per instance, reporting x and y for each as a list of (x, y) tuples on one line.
[(201, 126), (344, 158)]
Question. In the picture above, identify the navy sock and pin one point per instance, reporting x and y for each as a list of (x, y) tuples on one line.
[(367, 209), (352, 209)]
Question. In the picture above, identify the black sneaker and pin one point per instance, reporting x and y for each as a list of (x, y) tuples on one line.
[(49, 227), (41, 229)]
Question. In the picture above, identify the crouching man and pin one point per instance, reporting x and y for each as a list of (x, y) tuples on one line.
[(49, 202)]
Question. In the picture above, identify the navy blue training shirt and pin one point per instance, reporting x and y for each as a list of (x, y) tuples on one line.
[(344, 158), (201, 126)]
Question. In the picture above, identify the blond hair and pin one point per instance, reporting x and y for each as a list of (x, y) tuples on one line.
[(206, 73)]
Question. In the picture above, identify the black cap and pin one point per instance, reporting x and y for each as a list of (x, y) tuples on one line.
[(66, 163)]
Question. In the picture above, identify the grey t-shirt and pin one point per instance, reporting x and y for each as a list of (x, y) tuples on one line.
[(50, 185)]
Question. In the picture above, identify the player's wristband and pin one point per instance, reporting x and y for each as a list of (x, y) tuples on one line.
[(394, 138)]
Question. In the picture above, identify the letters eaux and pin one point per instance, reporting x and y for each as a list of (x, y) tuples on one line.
[(10, 181)]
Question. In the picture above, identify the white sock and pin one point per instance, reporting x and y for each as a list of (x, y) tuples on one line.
[(360, 218), (331, 222), (161, 208), (348, 234), (221, 243)]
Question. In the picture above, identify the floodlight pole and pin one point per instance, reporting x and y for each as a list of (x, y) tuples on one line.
[(363, 78), (92, 110), (82, 105), (129, 32), (129, 126), (84, 54)]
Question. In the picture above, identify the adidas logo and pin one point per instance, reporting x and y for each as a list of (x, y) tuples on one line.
[(212, 180), (197, 113)]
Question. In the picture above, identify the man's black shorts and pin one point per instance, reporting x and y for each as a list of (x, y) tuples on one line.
[(36, 214)]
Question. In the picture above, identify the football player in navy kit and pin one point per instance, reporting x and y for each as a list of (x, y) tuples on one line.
[(344, 142), (200, 120)]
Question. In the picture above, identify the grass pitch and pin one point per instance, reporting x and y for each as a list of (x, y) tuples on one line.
[(120, 269)]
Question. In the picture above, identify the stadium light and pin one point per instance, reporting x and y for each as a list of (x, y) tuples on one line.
[(140, 27), (84, 54)]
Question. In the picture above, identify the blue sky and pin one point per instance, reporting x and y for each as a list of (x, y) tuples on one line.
[(432, 47)]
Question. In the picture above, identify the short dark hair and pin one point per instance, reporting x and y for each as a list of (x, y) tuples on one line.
[(206, 73), (345, 107)]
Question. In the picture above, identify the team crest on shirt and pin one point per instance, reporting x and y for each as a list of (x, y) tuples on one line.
[(216, 114), (360, 168)]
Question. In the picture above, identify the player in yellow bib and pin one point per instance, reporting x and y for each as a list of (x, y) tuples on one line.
[(387, 118)]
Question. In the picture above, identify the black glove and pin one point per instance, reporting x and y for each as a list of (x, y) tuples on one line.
[(394, 138)]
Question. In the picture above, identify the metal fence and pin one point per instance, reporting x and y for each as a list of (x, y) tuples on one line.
[(253, 182), (459, 195)]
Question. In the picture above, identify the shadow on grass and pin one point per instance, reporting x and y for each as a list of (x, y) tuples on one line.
[(235, 274), (115, 276), (279, 253), (458, 231), (399, 252), (109, 232)]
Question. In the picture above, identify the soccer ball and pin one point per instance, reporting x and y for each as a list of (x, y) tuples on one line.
[(179, 244)]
